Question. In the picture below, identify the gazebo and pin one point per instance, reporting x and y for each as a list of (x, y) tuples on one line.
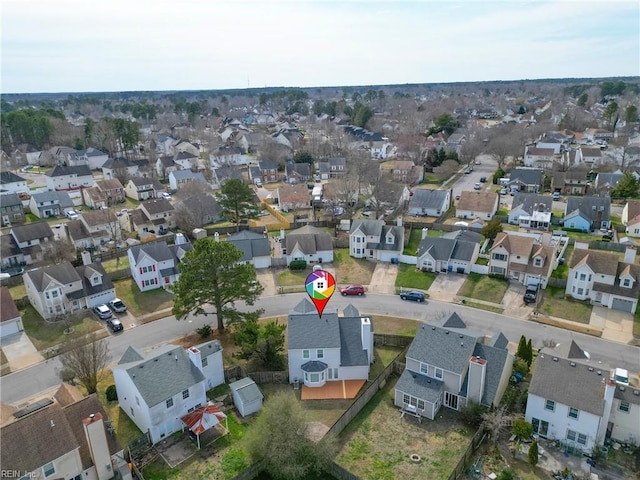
[(203, 418)]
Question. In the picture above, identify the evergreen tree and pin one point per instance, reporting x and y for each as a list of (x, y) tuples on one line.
[(529, 358), (522, 346), (533, 453)]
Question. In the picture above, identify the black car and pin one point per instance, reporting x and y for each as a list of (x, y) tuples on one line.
[(607, 236), (412, 295), (115, 325), (483, 179), (530, 295)]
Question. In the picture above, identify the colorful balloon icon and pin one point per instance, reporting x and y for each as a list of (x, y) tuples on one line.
[(320, 285)]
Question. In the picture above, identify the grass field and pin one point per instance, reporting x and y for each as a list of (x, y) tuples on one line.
[(139, 302), (352, 270), (410, 277), (483, 287), (415, 238), (555, 304)]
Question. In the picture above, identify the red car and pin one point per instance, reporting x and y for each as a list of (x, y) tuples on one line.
[(352, 290)]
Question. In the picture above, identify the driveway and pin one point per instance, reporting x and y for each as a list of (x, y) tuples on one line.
[(617, 326), (514, 305), (383, 279), (267, 278), (20, 352), (445, 286)]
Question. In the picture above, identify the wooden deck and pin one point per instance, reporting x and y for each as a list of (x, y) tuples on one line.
[(342, 389)]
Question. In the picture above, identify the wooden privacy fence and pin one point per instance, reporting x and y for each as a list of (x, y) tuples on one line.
[(461, 469)]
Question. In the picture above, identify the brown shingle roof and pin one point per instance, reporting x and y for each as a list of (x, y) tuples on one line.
[(293, 194), (98, 217), (599, 262), (108, 184), (633, 212), (8, 309), (478, 201), (515, 244)]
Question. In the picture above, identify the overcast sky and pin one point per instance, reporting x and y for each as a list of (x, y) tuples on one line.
[(117, 45)]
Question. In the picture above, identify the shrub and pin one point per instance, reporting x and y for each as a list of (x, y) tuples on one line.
[(111, 393), (520, 366), (522, 429), (298, 265), (533, 453), (472, 414), (506, 474), (204, 331), (67, 375)]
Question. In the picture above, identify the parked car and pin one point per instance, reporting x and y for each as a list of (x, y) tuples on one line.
[(412, 295), (72, 215), (117, 305), (607, 236), (352, 290), (166, 195), (468, 170), (477, 186), (115, 325), (102, 311), (503, 191), (530, 295), (556, 196), (483, 179)]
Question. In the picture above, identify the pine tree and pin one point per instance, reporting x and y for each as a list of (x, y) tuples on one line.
[(533, 453), (522, 348), (529, 358)]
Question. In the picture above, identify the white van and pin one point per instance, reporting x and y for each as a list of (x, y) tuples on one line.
[(257, 182)]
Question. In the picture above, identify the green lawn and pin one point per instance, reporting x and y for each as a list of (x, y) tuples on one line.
[(126, 430), (139, 302), (351, 270), (636, 324), (410, 277), (581, 235), (19, 291), (44, 334), (484, 287), (563, 270), (415, 237), (114, 264), (555, 304), (289, 278)]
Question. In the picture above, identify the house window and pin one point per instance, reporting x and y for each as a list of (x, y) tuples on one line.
[(305, 353), (497, 270), (550, 405), (538, 262), (358, 239), (132, 414), (413, 401), (424, 368), (583, 277), (170, 403), (205, 361), (624, 406), (580, 291), (573, 412), (319, 353), (439, 373), (499, 256), (314, 378), (582, 439), (626, 282), (185, 394), (49, 469)]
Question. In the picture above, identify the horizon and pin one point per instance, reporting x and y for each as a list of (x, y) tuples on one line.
[(53, 48)]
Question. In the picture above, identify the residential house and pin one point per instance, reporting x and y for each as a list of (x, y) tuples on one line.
[(571, 158), (157, 388), (102, 225), (155, 265), (30, 239), (539, 157), (164, 166), (79, 235), (555, 140), (268, 171), (160, 212), (123, 168), (406, 172), (600, 277), (528, 259), (329, 348), (227, 156), (293, 197), (92, 157), (298, 172), (61, 177), (530, 210), (575, 402), (181, 178), (199, 207), (50, 204), (104, 193), (62, 289), (246, 395), (255, 248), (373, 240), (591, 156), (143, 188), (136, 221), (587, 213), (571, 182), (224, 173), (337, 167), (10, 318), (449, 366), (456, 139), (477, 204), (12, 183), (527, 180), (11, 209), (605, 182), (429, 203), (164, 143), (186, 146), (187, 161), (630, 218), (63, 437), (310, 244), (449, 253)]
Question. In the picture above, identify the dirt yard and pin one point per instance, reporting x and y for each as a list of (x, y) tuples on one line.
[(378, 443)]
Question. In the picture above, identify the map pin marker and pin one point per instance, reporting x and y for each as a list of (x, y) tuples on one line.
[(320, 285)]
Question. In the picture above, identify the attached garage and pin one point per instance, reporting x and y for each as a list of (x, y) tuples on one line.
[(10, 319), (622, 304)]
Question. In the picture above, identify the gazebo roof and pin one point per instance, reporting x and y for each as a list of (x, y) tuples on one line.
[(203, 418)]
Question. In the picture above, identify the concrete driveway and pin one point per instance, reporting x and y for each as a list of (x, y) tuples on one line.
[(514, 305), (267, 278), (445, 286), (383, 279), (20, 352), (617, 326)]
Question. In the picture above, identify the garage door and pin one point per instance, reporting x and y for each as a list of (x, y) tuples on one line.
[(621, 304), (9, 328)]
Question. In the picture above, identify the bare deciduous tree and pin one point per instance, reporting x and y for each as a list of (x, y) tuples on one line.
[(495, 421), (87, 357), (59, 251)]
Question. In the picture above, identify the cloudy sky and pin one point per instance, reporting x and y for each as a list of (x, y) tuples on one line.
[(117, 45)]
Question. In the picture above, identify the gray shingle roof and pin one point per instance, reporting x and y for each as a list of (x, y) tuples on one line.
[(568, 384), (352, 352), (584, 206), (368, 227), (496, 359), (157, 205), (499, 340), (427, 199), (419, 386), (528, 176), (466, 235), (438, 248), (530, 201), (309, 239), (252, 244), (32, 231), (9, 200), (247, 390), (62, 198), (163, 374), (10, 177), (442, 347), (60, 170), (159, 251)]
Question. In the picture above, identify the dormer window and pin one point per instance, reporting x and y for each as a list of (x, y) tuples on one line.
[(537, 262), (626, 283), (390, 239)]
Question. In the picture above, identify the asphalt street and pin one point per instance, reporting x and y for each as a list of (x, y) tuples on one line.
[(16, 387)]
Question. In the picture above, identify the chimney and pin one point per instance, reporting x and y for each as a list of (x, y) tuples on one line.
[(196, 357), (424, 233), (476, 378), (609, 391), (282, 234), (630, 254), (180, 239), (86, 257), (98, 445), (399, 221), (366, 333)]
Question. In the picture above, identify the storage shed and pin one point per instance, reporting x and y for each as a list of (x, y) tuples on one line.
[(247, 397)]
